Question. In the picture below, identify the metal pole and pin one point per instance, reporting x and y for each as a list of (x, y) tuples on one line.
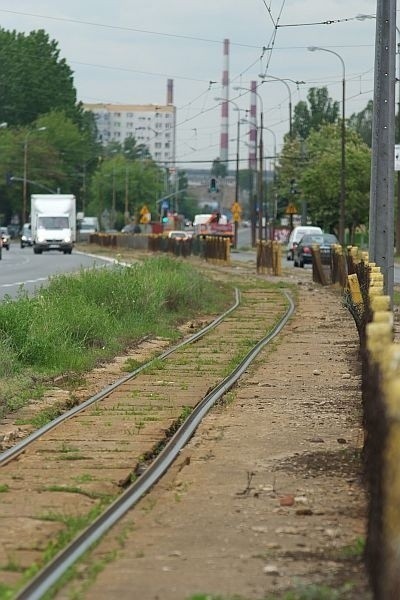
[(260, 182), (381, 229), (342, 201), (237, 176), (24, 185), (398, 141), (126, 213), (342, 224), (269, 77)]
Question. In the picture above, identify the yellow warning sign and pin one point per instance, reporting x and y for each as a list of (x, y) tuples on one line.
[(291, 209)]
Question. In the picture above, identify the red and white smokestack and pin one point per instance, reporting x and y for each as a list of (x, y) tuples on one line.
[(170, 91), (223, 154), (253, 126)]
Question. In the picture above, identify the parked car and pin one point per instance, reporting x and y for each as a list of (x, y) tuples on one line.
[(302, 253), (295, 236), (26, 235), (5, 238), (180, 235), (131, 228)]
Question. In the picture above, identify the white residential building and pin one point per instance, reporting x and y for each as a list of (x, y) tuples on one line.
[(151, 125)]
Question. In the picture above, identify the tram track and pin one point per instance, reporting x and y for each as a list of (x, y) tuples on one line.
[(156, 396)]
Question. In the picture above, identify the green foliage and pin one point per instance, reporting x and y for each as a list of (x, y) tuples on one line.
[(315, 165), (319, 110), (76, 321), (362, 123), (117, 175), (219, 169), (34, 79)]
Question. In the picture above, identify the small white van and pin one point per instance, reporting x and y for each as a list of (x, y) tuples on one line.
[(296, 235)]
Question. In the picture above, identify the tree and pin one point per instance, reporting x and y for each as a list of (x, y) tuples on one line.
[(118, 174), (362, 123), (321, 109), (34, 80), (219, 169), (320, 178)]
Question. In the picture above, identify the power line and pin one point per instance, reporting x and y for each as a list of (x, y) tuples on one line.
[(122, 28)]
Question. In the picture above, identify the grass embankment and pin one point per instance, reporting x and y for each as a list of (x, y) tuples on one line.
[(77, 321)]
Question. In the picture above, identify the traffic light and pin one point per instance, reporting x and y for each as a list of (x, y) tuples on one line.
[(213, 185), (164, 216)]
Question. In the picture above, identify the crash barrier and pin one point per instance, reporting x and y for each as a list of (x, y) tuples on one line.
[(330, 267), (380, 358), (269, 257), (215, 248), (138, 241), (176, 246)]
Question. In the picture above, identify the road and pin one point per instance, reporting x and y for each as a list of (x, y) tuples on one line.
[(21, 267)]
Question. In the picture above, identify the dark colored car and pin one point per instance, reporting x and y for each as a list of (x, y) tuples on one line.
[(302, 253), (26, 235)]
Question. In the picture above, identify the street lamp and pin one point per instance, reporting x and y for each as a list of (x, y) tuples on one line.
[(266, 78), (274, 178), (24, 187), (343, 166), (261, 151), (237, 160)]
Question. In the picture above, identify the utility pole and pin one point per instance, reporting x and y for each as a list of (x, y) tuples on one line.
[(260, 182), (381, 214), (398, 141)]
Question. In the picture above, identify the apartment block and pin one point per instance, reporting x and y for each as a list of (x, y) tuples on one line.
[(150, 124)]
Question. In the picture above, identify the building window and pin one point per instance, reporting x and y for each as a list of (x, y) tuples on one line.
[(117, 114), (157, 145), (129, 115), (167, 115), (166, 145)]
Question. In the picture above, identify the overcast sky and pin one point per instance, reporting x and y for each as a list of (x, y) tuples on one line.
[(124, 51)]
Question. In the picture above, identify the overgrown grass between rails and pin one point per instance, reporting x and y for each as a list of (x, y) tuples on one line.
[(77, 321)]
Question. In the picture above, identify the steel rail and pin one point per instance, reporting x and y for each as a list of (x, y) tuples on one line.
[(52, 572), (14, 451)]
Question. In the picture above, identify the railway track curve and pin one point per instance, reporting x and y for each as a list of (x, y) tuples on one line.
[(176, 388)]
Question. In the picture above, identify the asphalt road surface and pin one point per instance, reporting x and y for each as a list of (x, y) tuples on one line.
[(21, 268)]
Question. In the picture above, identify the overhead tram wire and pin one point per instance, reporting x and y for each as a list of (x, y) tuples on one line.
[(122, 28)]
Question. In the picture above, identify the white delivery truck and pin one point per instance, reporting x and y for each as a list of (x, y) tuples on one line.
[(53, 222)]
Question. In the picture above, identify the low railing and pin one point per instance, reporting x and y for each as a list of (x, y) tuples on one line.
[(380, 357), (269, 257)]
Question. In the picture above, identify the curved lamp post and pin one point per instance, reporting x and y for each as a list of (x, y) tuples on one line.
[(261, 152), (266, 78), (24, 187), (343, 135), (237, 160)]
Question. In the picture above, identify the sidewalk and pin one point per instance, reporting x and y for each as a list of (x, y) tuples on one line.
[(266, 496)]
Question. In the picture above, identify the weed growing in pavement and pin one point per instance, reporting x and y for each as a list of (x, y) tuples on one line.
[(131, 364), (75, 490), (156, 365), (3, 488), (84, 478), (76, 322), (354, 550)]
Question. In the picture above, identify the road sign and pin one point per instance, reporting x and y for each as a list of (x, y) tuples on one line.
[(236, 211), (291, 209)]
